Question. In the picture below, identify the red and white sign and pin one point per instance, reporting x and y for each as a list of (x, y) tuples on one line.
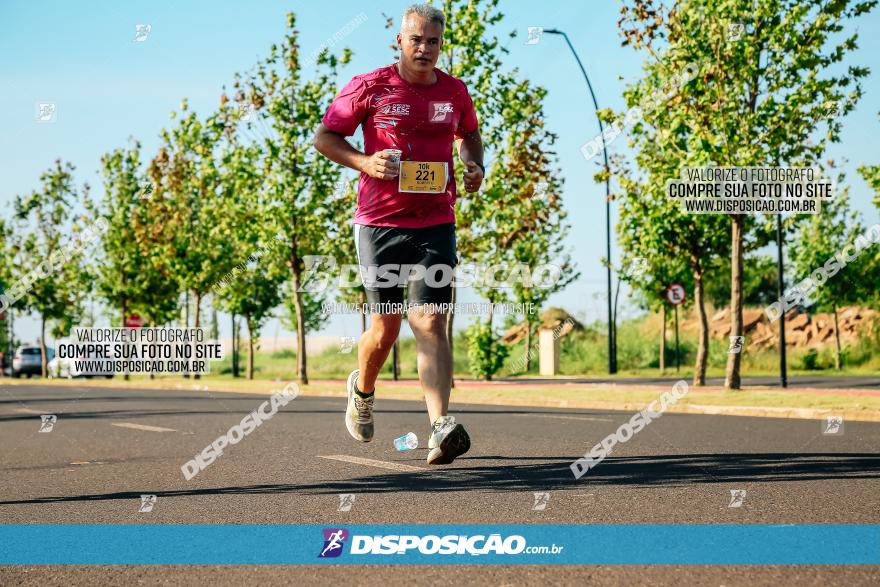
[(675, 294), (134, 321)]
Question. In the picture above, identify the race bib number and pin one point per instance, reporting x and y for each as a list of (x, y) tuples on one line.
[(422, 177)]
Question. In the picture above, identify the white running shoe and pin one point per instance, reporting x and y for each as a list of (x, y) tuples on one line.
[(359, 413), (447, 441)]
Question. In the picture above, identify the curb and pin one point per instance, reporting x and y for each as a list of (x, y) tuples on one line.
[(396, 394)]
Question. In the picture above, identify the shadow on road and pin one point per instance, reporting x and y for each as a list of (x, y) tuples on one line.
[(554, 473)]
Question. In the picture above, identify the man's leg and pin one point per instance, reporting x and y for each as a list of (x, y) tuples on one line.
[(375, 344), (374, 347), (434, 360)]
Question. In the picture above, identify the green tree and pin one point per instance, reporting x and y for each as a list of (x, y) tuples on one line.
[(128, 273), (486, 356), (818, 241), (650, 270), (187, 208), (759, 99), (299, 181), (252, 288), (48, 241), (759, 281)]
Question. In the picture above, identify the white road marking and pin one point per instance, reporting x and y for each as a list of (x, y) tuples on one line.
[(372, 463), (30, 411), (142, 427), (567, 417)]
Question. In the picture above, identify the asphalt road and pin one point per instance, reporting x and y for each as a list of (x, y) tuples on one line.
[(110, 446)]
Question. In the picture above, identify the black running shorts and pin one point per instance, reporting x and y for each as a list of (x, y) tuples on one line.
[(422, 260)]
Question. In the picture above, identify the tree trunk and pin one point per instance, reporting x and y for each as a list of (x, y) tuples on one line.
[(300, 331), (125, 376), (703, 345), (249, 373), (198, 308), (44, 364), (662, 337), (198, 300), (234, 349), (732, 377), (152, 325), (491, 316), (837, 362), (528, 344), (449, 337), (614, 328), (186, 318)]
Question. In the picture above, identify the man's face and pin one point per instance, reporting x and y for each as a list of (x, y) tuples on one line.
[(419, 40)]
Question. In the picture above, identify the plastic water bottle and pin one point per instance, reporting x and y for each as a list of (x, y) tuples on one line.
[(407, 442)]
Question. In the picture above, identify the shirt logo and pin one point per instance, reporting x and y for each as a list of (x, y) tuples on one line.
[(395, 109), (334, 540), (440, 111)]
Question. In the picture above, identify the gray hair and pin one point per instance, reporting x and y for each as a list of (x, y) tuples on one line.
[(427, 12)]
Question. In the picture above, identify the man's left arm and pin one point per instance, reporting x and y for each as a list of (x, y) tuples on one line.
[(470, 151)]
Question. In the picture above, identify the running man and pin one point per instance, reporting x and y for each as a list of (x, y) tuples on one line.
[(406, 213)]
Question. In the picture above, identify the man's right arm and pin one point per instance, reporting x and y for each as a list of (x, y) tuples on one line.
[(334, 146)]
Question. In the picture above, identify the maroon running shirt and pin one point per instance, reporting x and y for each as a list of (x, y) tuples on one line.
[(420, 120)]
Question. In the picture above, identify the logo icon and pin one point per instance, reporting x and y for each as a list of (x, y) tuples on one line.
[(535, 33), (735, 31), (346, 344), (317, 272), (145, 192), (245, 111), (639, 266), (737, 496), (541, 501), (334, 540), (736, 345), (147, 503), (399, 109), (141, 32), (46, 112), (831, 108), (48, 422), (540, 189), (346, 500), (833, 425), (441, 111)]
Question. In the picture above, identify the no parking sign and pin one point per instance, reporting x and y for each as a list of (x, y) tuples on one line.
[(675, 294)]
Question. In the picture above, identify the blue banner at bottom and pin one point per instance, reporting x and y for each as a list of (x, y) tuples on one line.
[(607, 544)]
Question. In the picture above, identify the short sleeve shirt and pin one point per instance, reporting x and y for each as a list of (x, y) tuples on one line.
[(422, 121)]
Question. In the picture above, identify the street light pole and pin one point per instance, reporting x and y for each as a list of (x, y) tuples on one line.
[(612, 334), (780, 285)]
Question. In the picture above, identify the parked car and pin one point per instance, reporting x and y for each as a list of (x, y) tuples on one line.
[(66, 368), (28, 361)]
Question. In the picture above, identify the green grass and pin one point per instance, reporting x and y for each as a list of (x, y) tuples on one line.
[(638, 354), (583, 354)]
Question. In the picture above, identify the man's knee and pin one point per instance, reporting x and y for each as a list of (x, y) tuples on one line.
[(429, 325), (385, 331)]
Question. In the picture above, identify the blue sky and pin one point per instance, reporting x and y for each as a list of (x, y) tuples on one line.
[(82, 56)]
